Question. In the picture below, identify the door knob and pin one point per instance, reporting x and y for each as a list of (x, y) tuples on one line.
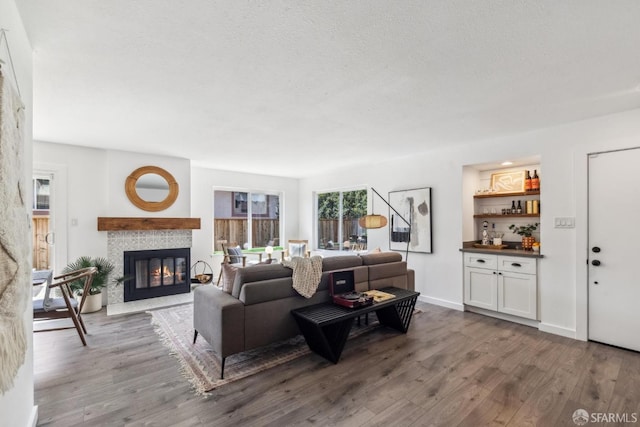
[(595, 249), (595, 263)]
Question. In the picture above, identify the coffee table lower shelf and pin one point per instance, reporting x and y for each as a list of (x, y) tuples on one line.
[(326, 326)]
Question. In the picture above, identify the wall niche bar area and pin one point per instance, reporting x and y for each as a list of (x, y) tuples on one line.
[(488, 205), (501, 267)]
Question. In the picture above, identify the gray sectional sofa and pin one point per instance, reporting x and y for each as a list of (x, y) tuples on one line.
[(257, 312)]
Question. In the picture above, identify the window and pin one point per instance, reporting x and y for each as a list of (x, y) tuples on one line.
[(338, 214), (41, 193), (232, 211)]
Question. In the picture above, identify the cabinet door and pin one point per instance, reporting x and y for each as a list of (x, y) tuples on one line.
[(480, 288), (517, 294)]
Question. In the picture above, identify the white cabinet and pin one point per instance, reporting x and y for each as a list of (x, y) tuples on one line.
[(506, 284)]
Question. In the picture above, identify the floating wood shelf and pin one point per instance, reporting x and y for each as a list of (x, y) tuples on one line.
[(124, 223), (497, 215), (519, 194)]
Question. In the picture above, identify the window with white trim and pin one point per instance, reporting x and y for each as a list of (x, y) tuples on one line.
[(250, 219), (337, 220)]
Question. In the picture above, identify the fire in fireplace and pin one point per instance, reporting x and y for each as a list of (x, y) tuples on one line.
[(155, 273)]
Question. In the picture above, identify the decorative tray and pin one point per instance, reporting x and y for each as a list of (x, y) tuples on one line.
[(481, 246)]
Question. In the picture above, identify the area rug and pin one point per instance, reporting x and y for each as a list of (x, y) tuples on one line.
[(201, 365)]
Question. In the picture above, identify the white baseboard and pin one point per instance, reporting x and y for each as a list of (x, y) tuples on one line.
[(504, 316), (558, 330), (34, 416), (441, 302)]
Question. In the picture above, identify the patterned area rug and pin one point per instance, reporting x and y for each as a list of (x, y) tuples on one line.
[(200, 364)]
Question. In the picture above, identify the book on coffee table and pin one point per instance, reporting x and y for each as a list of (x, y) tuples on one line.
[(379, 296)]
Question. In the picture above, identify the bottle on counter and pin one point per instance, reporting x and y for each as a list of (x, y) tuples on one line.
[(535, 181), (527, 182), (519, 208), (513, 207)]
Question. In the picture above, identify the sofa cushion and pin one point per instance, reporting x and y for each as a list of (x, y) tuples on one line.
[(389, 274), (278, 288), (267, 290), (341, 262), (257, 273), (390, 269), (380, 258), (228, 277)]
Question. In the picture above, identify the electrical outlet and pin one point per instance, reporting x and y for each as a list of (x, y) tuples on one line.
[(564, 222)]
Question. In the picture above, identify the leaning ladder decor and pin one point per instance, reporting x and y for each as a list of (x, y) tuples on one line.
[(14, 227)]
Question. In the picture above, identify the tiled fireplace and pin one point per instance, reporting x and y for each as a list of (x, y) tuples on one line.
[(119, 242)]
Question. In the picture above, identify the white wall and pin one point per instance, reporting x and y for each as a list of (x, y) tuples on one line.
[(17, 405), (203, 183), (83, 191), (563, 151), (94, 187), (122, 163)]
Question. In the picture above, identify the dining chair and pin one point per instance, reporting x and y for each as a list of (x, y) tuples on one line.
[(66, 306), (233, 255)]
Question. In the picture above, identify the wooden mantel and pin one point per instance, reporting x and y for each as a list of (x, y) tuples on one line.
[(123, 223)]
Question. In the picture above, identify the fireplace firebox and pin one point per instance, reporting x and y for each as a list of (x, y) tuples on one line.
[(154, 273)]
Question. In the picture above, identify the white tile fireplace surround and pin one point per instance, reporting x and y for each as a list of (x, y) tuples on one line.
[(120, 241)]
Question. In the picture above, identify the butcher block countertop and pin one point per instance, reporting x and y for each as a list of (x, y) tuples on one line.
[(509, 251)]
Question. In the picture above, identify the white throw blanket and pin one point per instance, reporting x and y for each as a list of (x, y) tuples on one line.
[(307, 273)]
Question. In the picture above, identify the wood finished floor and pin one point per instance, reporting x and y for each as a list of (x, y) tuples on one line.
[(451, 369)]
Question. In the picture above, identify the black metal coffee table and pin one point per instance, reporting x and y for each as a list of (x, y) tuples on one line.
[(326, 326)]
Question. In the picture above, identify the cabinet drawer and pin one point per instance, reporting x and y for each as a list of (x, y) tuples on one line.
[(480, 260), (517, 264)]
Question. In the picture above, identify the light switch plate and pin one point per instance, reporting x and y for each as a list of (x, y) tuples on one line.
[(564, 222)]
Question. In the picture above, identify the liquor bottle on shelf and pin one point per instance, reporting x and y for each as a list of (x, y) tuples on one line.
[(513, 206), (527, 182), (519, 208), (535, 181), (529, 206), (536, 207)]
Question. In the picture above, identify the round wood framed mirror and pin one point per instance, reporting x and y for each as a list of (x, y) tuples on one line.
[(151, 188)]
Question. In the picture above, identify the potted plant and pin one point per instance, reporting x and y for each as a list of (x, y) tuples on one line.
[(526, 232), (94, 299)]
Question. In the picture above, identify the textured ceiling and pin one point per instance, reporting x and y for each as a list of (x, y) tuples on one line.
[(294, 88)]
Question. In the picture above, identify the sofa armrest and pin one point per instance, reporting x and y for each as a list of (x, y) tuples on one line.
[(219, 318), (411, 279)]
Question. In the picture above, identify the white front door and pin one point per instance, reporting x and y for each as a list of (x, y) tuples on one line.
[(614, 248)]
